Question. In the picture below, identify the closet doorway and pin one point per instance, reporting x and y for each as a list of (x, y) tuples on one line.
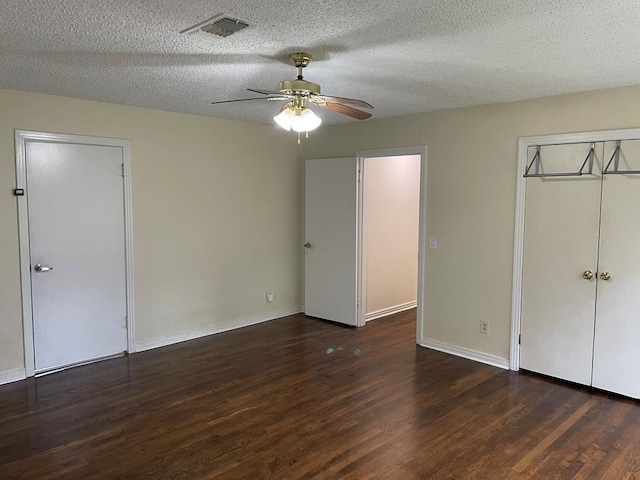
[(576, 308), (74, 205)]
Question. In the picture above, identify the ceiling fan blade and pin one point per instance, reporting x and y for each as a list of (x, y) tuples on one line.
[(269, 92), (249, 99), (345, 110), (239, 100), (349, 101)]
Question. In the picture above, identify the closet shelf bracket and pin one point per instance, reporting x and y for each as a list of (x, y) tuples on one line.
[(536, 164), (615, 159)]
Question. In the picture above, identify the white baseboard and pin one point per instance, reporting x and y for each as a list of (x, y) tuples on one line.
[(13, 375), (467, 353), (390, 311), (213, 329)]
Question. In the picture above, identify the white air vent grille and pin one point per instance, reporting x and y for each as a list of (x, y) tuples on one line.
[(218, 26)]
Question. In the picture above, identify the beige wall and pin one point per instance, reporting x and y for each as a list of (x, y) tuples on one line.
[(217, 210), (216, 213), (391, 201), (471, 196)]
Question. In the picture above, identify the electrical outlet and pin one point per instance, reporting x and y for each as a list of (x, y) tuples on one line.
[(484, 326), (269, 295)]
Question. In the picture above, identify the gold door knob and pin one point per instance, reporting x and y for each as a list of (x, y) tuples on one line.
[(587, 275), (605, 276)]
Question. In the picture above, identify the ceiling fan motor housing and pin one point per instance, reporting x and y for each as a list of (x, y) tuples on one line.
[(299, 87)]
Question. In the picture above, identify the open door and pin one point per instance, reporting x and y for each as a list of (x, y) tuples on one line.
[(331, 243)]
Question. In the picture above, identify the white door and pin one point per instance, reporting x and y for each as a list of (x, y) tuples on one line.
[(561, 243), (331, 196), (616, 359), (75, 197)]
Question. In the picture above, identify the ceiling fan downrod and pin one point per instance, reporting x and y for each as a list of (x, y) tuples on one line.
[(299, 86)]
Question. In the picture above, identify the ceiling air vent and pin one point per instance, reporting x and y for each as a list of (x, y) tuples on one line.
[(219, 26)]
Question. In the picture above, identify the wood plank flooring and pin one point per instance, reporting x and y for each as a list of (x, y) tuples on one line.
[(301, 398)]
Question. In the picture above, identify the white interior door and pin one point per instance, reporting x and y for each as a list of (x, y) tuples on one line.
[(331, 195), (617, 330), (561, 242), (75, 199)]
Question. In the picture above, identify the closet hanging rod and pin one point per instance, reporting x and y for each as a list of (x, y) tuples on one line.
[(615, 158), (537, 161)]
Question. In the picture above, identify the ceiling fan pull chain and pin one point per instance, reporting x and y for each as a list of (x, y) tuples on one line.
[(298, 138)]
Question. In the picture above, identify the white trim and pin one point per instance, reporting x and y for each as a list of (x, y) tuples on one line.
[(422, 230), (385, 312), (21, 138), (14, 375), (467, 353), (518, 242), (361, 246), (128, 238), (217, 328), (25, 260), (422, 245), (518, 252)]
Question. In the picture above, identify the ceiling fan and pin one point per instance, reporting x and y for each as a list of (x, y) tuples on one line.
[(295, 114)]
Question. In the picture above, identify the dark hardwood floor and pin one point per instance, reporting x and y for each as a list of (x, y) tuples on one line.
[(300, 398)]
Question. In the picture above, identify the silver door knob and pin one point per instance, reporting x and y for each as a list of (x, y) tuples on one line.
[(42, 268), (307, 245)]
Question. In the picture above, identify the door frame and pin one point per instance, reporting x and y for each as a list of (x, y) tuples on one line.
[(21, 139), (361, 156), (521, 188)]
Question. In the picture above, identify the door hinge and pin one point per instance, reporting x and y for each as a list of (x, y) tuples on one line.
[(120, 170), (357, 302), (359, 175), (519, 339), (125, 322)]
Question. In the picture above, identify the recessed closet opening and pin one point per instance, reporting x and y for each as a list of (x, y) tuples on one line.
[(576, 279)]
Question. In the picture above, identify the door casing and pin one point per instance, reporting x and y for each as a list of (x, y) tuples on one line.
[(518, 248), (21, 139)]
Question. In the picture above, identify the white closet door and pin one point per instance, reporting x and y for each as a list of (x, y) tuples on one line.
[(76, 224), (561, 242), (616, 363)]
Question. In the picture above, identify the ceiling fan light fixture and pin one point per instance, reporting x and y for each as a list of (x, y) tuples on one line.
[(305, 121), (284, 118), (298, 119)]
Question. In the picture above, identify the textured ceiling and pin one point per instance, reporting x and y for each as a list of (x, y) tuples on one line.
[(404, 57)]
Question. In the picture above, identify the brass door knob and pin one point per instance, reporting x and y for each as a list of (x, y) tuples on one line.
[(587, 275), (606, 276)]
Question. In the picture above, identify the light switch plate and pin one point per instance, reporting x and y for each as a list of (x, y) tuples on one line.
[(433, 242)]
